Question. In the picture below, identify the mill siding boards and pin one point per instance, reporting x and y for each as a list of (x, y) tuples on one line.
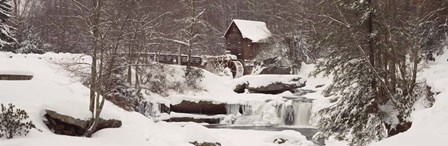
[(244, 37)]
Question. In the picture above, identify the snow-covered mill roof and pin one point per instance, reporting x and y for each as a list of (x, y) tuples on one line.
[(253, 30)]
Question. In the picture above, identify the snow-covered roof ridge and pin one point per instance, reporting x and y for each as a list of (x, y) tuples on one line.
[(257, 31)]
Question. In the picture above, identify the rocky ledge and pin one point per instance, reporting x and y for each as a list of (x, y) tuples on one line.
[(67, 125)]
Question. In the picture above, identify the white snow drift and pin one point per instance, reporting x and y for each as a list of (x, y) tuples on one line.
[(52, 89)]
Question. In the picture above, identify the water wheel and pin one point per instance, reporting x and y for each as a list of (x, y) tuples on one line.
[(236, 67)]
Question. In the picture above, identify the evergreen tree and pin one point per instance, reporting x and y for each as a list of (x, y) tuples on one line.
[(7, 39), (354, 116), (373, 49)]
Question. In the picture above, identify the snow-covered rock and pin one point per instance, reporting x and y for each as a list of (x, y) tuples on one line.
[(198, 133), (268, 83), (289, 138)]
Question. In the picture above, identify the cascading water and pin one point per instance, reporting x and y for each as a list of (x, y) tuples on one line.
[(295, 113), (290, 112), (150, 109), (286, 113), (233, 109), (246, 110), (303, 113), (248, 116)]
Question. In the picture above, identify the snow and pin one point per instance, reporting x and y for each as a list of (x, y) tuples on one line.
[(256, 31), (264, 114), (429, 125), (199, 133), (257, 138), (292, 138), (52, 88), (10, 69), (256, 81), (185, 115)]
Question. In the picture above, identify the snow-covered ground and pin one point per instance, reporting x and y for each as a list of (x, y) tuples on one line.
[(430, 126), (52, 88)]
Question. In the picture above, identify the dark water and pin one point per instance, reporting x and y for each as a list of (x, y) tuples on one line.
[(307, 132)]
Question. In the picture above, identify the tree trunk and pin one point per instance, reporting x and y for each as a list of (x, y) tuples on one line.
[(93, 71), (94, 85), (191, 42), (179, 55), (371, 45)]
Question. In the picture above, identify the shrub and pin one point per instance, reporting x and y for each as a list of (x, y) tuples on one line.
[(193, 77), (12, 122)]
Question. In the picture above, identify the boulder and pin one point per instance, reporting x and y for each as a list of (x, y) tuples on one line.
[(268, 84), (205, 144), (276, 70), (201, 107), (301, 92), (401, 127), (275, 88), (67, 125), (240, 88), (196, 120), (280, 141)]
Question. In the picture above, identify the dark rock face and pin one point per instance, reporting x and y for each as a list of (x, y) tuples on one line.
[(253, 85), (402, 127), (270, 61), (165, 109), (241, 88), (319, 86), (301, 92), (275, 88), (67, 125), (206, 144), (298, 98), (201, 107), (121, 103), (276, 70), (196, 120), (280, 141)]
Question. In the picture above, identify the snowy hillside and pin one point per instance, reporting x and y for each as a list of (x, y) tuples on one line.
[(430, 126), (51, 88)]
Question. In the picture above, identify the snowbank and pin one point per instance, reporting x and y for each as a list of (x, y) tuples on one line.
[(430, 126), (52, 88), (289, 138), (198, 133)]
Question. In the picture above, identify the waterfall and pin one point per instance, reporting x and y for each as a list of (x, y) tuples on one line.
[(246, 110), (303, 113), (295, 113), (150, 109), (233, 109), (249, 116), (291, 112)]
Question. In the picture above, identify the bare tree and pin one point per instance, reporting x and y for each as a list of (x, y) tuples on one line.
[(189, 27), (101, 23)]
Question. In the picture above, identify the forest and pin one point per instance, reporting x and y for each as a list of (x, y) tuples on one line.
[(372, 49)]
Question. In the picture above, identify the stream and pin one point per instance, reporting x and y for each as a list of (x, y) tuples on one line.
[(308, 132)]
